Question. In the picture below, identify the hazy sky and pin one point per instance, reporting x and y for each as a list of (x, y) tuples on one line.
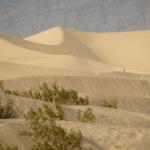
[(25, 17)]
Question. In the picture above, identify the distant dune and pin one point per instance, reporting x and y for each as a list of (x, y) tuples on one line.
[(80, 51), (124, 49)]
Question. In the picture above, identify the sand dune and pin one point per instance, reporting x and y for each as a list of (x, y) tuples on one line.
[(69, 49), (59, 56), (125, 49), (103, 66), (113, 129)]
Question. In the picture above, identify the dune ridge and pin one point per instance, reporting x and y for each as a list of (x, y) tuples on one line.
[(125, 49), (119, 50)]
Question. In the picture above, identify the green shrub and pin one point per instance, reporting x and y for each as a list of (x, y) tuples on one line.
[(7, 110), (6, 147), (53, 94), (42, 127), (50, 112), (86, 116), (111, 103)]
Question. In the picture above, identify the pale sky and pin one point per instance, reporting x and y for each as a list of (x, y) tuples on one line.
[(25, 17)]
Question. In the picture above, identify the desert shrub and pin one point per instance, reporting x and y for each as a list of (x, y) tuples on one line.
[(12, 92), (53, 94), (111, 103), (16, 93), (79, 115), (1, 85), (7, 110), (6, 91), (60, 111), (42, 126), (59, 95), (86, 116), (6, 147)]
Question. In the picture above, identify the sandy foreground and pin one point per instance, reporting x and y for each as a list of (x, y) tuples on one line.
[(99, 65)]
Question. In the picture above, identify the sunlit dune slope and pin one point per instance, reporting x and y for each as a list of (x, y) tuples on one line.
[(126, 49)]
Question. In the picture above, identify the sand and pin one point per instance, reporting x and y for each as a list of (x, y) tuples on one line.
[(103, 66), (124, 49)]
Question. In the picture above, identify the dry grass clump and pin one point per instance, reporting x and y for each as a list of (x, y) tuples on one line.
[(7, 111), (86, 116), (111, 103)]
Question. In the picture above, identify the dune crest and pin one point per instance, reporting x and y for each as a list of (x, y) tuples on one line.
[(55, 36)]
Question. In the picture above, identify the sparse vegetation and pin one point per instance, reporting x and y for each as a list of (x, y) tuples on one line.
[(60, 111), (7, 110), (6, 147), (1, 85), (86, 116), (42, 126), (53, 94), (56, 113), (111, 103)]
